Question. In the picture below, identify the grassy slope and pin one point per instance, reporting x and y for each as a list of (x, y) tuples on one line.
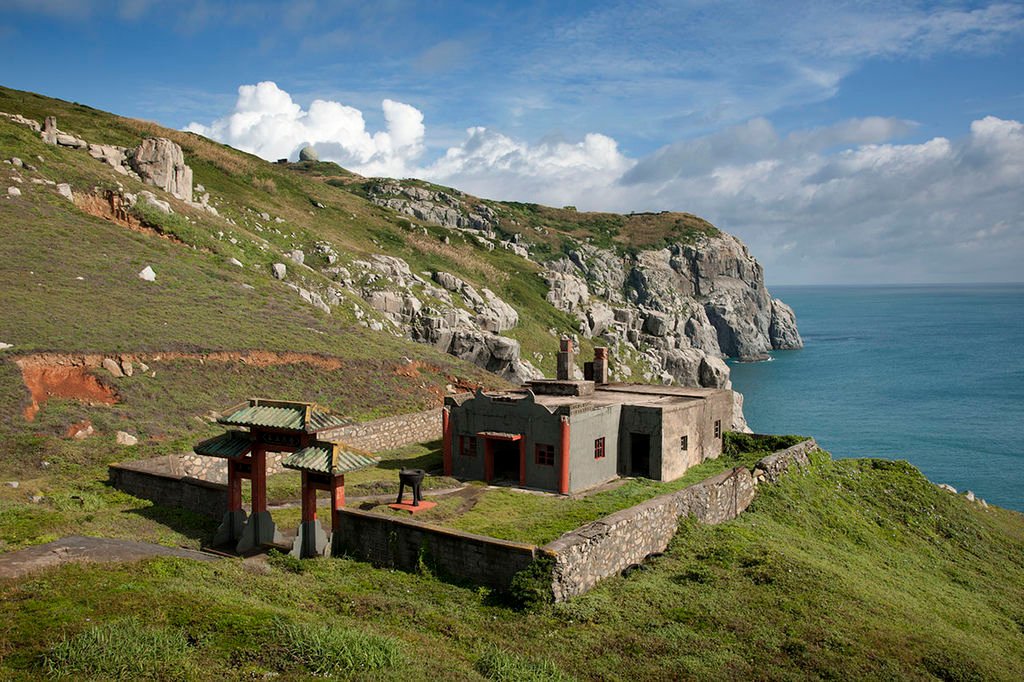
[(856, 569)]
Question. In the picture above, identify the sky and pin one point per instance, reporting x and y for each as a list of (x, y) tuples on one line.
[(844, 142)]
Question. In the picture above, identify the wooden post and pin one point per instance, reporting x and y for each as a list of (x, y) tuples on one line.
[(234, 487), (563, 460), (308, 499), (259, 480), (337, 501), (446, 440), (522, 461)]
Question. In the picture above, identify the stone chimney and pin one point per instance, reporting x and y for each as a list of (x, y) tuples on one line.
[(566, 357), (600, 365)]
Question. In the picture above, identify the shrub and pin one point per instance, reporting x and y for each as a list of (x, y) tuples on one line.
[(124, 649), (265, 184), (531, 587)]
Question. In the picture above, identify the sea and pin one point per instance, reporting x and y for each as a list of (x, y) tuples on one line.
[(932, 374)]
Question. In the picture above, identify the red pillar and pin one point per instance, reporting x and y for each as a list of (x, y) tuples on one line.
[(488, 460), (337, 501), (308, 499), (259, 480), (234, 487), (446, 440), (522, 461), (563, 460)]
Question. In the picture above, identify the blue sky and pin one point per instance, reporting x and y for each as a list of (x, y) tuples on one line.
[(844, 142)]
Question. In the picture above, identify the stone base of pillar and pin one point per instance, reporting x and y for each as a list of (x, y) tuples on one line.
[(259, 530), (230, 529), (311, 541)]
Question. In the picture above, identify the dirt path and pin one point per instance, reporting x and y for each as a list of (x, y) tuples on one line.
[(82, 549)]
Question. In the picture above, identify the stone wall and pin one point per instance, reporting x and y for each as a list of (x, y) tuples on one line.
[(769, 469), (403, 544), (170, 489), (605, 547), (389, 433)]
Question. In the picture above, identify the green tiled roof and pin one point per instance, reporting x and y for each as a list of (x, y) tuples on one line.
[(328, 458), (293, 416), (230, 444)]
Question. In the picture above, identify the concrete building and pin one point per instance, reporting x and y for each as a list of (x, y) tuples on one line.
[(567, 435)]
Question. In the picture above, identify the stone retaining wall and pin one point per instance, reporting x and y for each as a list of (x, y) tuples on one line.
[(771, 468), (389, 433), (606, 547), (170, 489), (403, 544)]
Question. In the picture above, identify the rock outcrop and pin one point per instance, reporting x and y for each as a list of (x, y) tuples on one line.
[(161, 163)]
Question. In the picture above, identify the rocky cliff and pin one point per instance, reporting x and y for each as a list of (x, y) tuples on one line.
[(675, 312)]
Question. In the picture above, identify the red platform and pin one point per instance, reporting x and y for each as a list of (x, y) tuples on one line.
[(407, 506)]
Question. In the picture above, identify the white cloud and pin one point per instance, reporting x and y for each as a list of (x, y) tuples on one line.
[(268, 123), (840, 203)]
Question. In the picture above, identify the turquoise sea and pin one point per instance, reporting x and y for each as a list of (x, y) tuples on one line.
[(930, 374)]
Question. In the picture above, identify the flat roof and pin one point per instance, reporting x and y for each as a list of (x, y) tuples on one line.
[(640, 395)]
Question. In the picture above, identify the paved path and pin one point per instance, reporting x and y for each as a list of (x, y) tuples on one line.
[(82, 549)]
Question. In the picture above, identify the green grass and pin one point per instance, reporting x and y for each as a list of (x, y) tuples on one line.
[(122, 650), (328, 650), (510, 514), (854, 569)]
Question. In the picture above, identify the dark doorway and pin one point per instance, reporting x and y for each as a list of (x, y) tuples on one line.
[(640, 455), (506, 459)]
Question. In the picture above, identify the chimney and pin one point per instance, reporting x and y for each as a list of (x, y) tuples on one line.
[(600, 365), (566, 357)]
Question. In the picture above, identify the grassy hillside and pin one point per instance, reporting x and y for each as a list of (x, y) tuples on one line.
[(857, 569)]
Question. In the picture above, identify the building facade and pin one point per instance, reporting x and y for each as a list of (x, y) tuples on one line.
[(567, 435)]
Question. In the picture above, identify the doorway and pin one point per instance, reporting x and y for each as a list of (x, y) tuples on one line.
[(640, 455), (506, 459)]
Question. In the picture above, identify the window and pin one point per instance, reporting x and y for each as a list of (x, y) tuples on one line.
[(599, 448), (545, 454), (684, 443), (467, 446), (718, 428)]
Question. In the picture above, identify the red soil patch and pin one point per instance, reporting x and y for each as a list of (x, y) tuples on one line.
[(75, 382), (112, 207)]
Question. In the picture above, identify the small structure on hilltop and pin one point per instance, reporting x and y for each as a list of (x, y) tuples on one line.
[(566, 435), (272, 426), (323, 465)]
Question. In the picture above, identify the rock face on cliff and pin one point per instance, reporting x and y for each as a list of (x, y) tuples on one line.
[(681, 309)]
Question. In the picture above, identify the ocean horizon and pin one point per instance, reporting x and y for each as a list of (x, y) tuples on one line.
[(929, 373)]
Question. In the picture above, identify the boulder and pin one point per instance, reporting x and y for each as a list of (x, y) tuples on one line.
[(149, 199), (112, 366), (279, 270), (49, 131), (127, 439), (111, 155), (297, 256), (160, 162), (234, 261), (947, 487), (147, 274), (64, 189), (13, 192)]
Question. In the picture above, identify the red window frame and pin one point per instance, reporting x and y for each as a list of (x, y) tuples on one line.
[(544, 454), (467, 446), (599, 448)]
